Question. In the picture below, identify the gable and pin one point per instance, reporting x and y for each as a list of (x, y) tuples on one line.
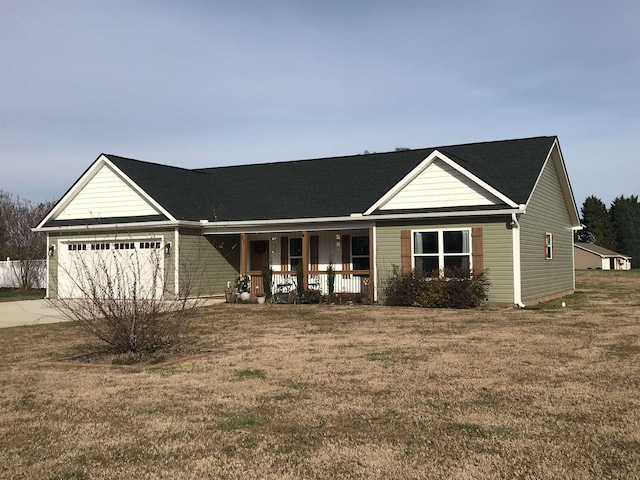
[(440, 185), (472, 177), (105, 194), (553, 185)]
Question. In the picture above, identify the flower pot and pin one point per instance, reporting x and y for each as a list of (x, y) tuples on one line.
[(245, 296), (261, 299)]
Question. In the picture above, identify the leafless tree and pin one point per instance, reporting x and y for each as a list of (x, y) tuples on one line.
[(18, 241)]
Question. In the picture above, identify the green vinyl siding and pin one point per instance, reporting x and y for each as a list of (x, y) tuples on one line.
[(52, 270), (546, 213), (208, 262), (497, 254)]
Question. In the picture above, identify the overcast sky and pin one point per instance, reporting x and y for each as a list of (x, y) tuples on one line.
[(210, 83)]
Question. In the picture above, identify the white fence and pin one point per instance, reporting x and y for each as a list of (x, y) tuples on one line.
[(11, 269)]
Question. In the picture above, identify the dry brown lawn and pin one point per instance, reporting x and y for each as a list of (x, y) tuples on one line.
[(297, 391)]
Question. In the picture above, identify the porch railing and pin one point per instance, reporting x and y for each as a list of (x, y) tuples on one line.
[(345, 282)]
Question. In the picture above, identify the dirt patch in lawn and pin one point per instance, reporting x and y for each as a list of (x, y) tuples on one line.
[(303, 391)]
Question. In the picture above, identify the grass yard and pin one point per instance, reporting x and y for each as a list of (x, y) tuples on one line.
[(13, 294), (303, 391)]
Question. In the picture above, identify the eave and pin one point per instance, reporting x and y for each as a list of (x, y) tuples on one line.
[(353, 221)]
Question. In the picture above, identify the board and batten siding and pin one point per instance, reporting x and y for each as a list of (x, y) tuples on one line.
[(497, 255), (57, 240), (106, 195), (439, 186), (208, 262), (546, 213)]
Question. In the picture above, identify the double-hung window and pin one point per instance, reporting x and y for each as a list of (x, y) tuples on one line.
[(548, 246), (441, 249), (360, 253), (295, 252)]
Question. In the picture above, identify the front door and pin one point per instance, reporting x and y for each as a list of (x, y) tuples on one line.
[(259, 252)]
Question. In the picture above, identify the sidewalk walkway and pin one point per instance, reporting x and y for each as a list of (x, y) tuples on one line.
[(28, 312)]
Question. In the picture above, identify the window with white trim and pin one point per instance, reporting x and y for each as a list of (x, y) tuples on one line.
[(548, 246), (440, 249)]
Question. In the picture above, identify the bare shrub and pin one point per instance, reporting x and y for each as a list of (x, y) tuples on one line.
[(452, 288), (123, 300)]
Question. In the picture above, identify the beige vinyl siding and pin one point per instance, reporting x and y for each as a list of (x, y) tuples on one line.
[(586, 260), (208, 262), (546, 213), (106, 195), (439, 185), (498, 251), (55, 238)]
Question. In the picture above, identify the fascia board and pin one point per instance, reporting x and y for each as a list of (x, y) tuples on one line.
[(282, 228), (138, 190), (108, 226), (292, 225), (402, 183), (437, 155), (565, 186), (601, 255), (70, 194), (588, 250), (297, 224), (82, 182), (477, 180)]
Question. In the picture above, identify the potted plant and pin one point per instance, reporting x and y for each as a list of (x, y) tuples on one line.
[(242, 285)]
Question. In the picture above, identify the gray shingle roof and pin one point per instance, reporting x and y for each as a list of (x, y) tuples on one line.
[(326, 187), (598, 250)]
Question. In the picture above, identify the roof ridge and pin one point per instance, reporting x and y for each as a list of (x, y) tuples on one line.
[(318, 159), (110, 156), (404, 151), (496, 141)]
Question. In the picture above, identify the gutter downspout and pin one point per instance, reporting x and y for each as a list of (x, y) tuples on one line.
[(517, 271)]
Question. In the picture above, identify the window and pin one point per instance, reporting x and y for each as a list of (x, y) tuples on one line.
[(146, 245), (548, 246), (73, 247), (440, 249), (360, 253), (295, 252)]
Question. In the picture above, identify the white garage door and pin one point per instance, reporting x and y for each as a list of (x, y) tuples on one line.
[(116, 269)]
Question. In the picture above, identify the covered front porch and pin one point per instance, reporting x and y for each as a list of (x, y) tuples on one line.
[(349, 253)]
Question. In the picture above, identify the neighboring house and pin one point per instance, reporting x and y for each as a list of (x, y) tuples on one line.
[(505, 207), (590, 256)]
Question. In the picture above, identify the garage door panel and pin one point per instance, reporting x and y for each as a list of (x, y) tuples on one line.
[(111, 269)]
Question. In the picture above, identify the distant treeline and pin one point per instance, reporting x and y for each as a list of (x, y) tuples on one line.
[(616, 228)]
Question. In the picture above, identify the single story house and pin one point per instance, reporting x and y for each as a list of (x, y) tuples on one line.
[(502, 206), (590, 256)]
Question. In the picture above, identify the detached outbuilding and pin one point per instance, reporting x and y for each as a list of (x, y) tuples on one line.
[(503, 206), (590, 256)]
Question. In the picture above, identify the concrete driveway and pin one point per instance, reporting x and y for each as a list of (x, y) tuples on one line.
[(28, 312)]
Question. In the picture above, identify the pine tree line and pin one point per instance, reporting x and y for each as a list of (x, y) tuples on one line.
[(616, 228)]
